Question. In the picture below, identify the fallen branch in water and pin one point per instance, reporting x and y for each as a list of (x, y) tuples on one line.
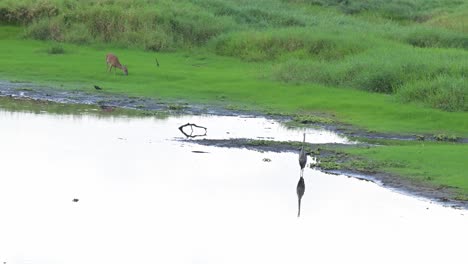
[(181, 128)]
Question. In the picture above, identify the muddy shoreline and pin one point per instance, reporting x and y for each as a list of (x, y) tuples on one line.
[(106, 101), (26, 90)]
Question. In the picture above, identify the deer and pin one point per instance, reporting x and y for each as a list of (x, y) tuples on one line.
[(113, 61)]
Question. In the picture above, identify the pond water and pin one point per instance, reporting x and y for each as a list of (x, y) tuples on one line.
[(146, 197)]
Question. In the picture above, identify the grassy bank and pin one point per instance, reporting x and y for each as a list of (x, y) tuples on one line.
[(201, 77), (441, 165)]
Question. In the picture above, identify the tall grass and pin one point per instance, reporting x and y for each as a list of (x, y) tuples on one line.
[(445, 92), (152, 25), (308, 41), (297, 42), (456, 21), (420, 75), (415, 10)]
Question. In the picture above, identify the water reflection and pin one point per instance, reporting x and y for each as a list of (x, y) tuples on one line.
[(300, 189), (139, 204)]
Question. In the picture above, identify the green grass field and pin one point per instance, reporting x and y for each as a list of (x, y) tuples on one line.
[(383, 66)]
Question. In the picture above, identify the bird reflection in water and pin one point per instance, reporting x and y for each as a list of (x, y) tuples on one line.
[(300, 192), (300, 189)]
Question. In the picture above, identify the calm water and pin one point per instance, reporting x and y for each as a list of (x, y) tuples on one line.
[(145, 197)]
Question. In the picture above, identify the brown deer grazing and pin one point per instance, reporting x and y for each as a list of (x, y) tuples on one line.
[(113, 61)]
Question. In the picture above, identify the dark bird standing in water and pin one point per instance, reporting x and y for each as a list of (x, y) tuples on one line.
[(300, 192), (302, 157), (97, 87)]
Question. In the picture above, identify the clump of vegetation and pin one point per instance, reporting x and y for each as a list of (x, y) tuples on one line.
[(24, 12), (379, 70), (430, 37), (443, 92), (26, 89), (420, 137), (456, 20), (295, 42), (311, 119), (154, 26), (175, 107), (461, 197), (329, 163), (415, 10), (56, 49), (444, 137)]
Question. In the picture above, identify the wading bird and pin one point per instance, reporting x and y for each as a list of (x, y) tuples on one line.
[(113, 62), (300, 192), (302, 157)]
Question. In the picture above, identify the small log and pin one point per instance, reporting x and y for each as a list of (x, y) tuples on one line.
[(191, 135)]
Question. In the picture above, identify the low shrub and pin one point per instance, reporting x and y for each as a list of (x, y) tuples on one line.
[(46, 29)]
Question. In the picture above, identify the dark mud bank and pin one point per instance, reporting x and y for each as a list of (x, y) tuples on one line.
[(103, 99)]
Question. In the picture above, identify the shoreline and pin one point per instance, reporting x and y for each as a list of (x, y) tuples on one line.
[(27, 90), (106, 101)]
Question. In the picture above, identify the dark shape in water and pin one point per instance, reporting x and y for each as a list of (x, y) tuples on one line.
[(97, 87), (157, 62), (300, 192), (199, 151), (75, 200)]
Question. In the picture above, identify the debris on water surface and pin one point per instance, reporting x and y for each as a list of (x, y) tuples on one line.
[(199, 151), (266, 160), (75, 200), (192, 134)]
